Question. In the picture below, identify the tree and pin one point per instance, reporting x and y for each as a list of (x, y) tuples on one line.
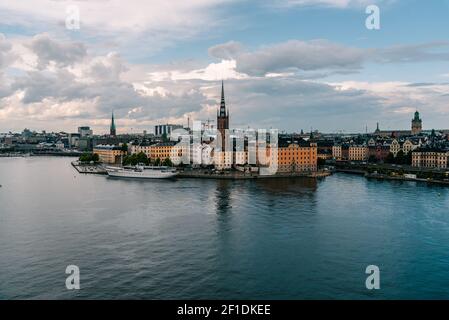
[(124, 147), (157, 162), (408, 158), (142, 158), (321, 162), (390, 158), (400, 157), (167, 162), (89, 157), (135, 159), (372, 159)]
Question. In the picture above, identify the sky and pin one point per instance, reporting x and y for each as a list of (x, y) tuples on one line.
[(286, 64)]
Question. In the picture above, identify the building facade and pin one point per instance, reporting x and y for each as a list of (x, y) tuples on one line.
[(165, 129), (297, 157), (337, 152), (358, 153), (109, 154), (430, 158)]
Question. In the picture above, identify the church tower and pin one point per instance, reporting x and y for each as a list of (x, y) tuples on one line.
[(416, 124), (112, 130), (222, 117)]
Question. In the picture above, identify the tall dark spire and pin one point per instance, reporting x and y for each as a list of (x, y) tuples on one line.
[(222, 103), (112, 129), (222, 115)]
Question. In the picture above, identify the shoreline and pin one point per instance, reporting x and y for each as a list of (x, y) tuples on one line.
[(428, 181), (197, 174)]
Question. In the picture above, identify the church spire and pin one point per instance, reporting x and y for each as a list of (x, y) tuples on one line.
[(112, 129), (222, 103)]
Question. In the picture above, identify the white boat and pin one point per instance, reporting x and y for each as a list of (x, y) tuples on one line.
[(142, 172)]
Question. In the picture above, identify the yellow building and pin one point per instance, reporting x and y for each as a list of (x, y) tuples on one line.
[(143, 147), (109, 154), (358, 153), (409, 146), (395, 147), (162, 150)]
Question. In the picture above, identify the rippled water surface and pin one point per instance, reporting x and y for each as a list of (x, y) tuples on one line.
[(206, 239)]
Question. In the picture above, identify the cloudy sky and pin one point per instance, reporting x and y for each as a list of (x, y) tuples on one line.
[(287, 64)]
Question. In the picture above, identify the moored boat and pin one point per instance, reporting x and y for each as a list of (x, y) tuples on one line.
[(142, 172)]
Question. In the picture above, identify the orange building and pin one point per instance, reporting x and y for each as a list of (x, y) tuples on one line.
[(297, 157)]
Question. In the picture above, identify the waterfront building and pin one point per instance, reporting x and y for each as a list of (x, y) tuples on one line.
[(162, 150), (109, 154), (223, 160), (379, 152), (410, 145), (358, 153), (143, 146), (430, 157), (416, 124), (324, 155), (241, 157), (299, 156), (395, 147), (337, 152)]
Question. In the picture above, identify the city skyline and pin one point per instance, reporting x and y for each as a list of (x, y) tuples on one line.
[(278, 62)]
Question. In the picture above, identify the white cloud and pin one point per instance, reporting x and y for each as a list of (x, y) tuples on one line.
[(58, 94), (49, 51), (147, 25), (320, 58)]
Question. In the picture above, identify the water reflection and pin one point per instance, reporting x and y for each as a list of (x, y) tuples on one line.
[(223, 197), (282, 186)]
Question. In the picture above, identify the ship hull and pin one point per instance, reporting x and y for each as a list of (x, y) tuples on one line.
[(146, 174)]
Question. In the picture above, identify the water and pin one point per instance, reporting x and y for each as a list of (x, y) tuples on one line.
[(206, 239)]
